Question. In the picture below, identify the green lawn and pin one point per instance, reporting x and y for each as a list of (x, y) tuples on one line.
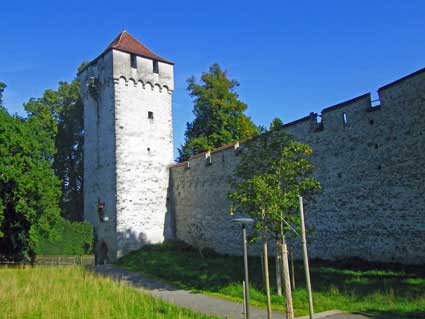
[(387, 294), (73, 292)]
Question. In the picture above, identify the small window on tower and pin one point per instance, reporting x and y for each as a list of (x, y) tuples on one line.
[(133, 60), (150, 115), (155, 66)]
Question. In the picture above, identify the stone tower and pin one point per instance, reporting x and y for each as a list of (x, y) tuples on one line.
[(127, 92)]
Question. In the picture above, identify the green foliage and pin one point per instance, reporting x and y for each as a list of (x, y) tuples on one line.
[(74, 292), (60, 115), (394, 293), (29, 190), (219, 114), (273, 171), (276, 124), (75, 238)]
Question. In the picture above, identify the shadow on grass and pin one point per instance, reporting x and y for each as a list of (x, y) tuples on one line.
[(387, 291)]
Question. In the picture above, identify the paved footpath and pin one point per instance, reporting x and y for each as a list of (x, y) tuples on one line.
[(201, 303)]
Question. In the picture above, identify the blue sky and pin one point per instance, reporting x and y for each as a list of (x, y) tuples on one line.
[(290, 57)]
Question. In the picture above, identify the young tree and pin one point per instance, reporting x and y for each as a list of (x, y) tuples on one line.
[(274, 169), (29, 190), (256, 196), (219, 114), (276, 124), (60, 112)]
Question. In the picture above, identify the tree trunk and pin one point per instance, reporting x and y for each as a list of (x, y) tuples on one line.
[(266, 277), (292, 269), (278, 259), (287, 281), (262, 268)]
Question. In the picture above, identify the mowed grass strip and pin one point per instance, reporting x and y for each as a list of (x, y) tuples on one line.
[(73, 292), (386, 294)]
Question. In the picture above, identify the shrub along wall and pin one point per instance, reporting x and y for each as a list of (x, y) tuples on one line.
[(76, 238)]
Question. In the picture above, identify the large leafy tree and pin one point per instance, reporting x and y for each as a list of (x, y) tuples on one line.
[(273, 171), (29, 189), (61, 112), (219, 114)]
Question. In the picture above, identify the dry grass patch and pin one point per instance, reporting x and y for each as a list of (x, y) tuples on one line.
[(73, 292)]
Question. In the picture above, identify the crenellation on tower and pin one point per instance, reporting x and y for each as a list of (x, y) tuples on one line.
[(143, 73)]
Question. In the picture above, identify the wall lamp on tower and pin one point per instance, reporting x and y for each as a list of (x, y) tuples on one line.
[(101, 211)]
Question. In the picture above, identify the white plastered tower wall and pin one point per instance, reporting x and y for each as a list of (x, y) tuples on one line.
[(144, 149), (127, 153)]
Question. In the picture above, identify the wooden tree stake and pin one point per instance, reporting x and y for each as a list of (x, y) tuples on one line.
[(267, 277), (278, 260), (305, 256), (287, 281)]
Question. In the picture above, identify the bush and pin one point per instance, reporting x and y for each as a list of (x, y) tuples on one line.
[(76, 238), (176, 244), (181, 246)]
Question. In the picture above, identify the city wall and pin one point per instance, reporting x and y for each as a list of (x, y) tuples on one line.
[(369, 161)]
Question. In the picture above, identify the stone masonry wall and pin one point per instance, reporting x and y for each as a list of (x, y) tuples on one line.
[(370, 162)]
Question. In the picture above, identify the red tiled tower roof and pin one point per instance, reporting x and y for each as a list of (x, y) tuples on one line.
[(127, 43)]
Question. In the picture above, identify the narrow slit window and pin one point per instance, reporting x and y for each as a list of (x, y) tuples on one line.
[(150, 115), (133, 60), (344, 118), (155, 66)]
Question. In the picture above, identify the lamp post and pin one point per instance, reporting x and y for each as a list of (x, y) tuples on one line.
[(244, 222)]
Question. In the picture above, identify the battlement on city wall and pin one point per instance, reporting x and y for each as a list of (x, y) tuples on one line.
[(368, 157)]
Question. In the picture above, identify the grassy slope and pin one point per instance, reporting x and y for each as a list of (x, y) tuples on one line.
[(72, 292), (386, 294)]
